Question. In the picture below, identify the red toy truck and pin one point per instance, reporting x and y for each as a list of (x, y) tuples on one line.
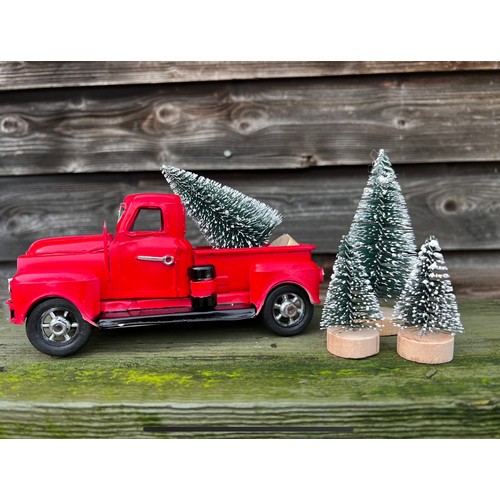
[(149, 274)]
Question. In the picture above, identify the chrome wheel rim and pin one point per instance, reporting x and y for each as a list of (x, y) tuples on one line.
[(58, 325), (288, 309)]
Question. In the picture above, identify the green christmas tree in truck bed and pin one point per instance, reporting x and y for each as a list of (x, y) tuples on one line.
[(225, 217)]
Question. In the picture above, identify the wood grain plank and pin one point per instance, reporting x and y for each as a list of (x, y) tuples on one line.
[(458, 204), (274, 124), (242, 375), (474, 274), (373, 421), (51, 74)]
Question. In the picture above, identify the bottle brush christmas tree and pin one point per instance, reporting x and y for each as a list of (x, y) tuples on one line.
[(351, 306), (428, 301), (383, 229), (350, 300), (225, 217), (428, 304)]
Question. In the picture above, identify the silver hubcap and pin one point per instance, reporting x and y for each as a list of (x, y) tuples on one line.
[(58, 325), (288, 309)]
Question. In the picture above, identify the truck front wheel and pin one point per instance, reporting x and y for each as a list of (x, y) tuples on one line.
[(56, 327), (287, 310)]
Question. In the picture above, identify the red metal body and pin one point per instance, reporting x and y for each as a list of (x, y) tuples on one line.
[(144, 269)]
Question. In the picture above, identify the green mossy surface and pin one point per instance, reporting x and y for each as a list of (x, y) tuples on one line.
[(243, 362), (238, 374)]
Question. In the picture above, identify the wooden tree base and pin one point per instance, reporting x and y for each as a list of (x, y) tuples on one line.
[(353, 344), (387, 327), (432, 348)]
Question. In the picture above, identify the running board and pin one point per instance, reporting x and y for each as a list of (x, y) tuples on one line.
[(182, 317)]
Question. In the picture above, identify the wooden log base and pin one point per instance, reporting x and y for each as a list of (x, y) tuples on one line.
[(352, 344), (285, 240), (387, 327), (432, 348)]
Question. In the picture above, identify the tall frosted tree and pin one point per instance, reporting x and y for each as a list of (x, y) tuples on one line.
[(382, 227), (428, 301), (225, 217), (350, 300)]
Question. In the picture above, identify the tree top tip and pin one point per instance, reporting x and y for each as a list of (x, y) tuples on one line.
[(433, 242)]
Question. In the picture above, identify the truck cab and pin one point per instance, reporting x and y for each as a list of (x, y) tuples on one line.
[(148, 273), (149, 254)]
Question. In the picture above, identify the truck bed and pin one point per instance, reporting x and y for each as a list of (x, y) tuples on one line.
[(233, 266)]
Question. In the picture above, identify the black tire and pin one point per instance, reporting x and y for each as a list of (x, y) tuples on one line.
[(201, 273), (56, 327), (287, 310)]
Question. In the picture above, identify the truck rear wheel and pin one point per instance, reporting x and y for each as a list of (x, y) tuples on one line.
[(287, 310), (56, 327)]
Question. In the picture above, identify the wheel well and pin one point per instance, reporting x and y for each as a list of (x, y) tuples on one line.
[(46, 299), (286, 283)]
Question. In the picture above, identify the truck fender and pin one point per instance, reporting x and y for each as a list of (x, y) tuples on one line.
[(82, 290), (266, 276)]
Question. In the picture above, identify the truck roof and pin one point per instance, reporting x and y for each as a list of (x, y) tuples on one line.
[(152, 198)]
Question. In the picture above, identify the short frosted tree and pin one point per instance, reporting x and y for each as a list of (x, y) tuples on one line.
[(225, 217), (350, 300), (428, 301), (383, 230)]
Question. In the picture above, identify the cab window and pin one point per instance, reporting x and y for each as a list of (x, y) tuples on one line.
[(148, 220)]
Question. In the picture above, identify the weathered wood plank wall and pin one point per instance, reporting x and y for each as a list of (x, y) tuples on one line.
[(76, 137), (35, 74)]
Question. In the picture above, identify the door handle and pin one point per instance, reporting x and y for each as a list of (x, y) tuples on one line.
[(168, 260)]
